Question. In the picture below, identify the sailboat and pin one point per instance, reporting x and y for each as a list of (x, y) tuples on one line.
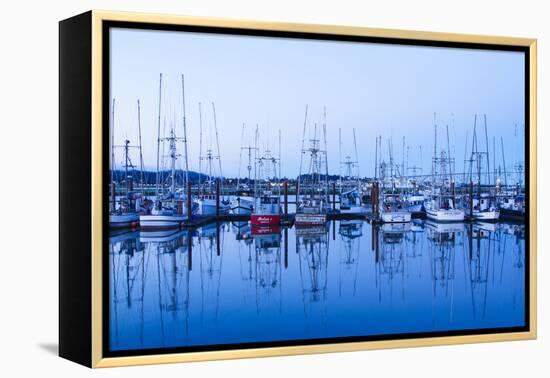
[(207, 196), (312, 195), (125, 214), (169, 210)]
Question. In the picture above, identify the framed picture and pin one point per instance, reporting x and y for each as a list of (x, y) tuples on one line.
[(235, 189)]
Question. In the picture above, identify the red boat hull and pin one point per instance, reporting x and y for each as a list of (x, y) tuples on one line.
[(264, 220)]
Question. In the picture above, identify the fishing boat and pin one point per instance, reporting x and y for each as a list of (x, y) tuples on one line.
[(414, 203), (267, 189), (124, 210), (513, 207), (208, 203), (312, 195), (442, 208), (244, 204), (481, 206), (169, 209), (442, 205), (393, 209), (348, 181)]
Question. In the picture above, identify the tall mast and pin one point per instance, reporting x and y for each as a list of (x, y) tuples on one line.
[(487, 149), (434, 162), (326, 152), (376, 160), (218, 145), (140, 147), (340, 157), (504, 162), (302, 152), (113, 142), (356, 157), (279, 179), (158, 136), (184, 132), (200, 147), (240, 158)]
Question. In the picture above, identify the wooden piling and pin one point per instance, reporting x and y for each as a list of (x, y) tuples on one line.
[(285, 186), (471, 199), (189, 203), (286, 247), (333, 196)]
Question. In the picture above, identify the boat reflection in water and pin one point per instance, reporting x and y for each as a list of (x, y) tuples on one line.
[(231, 283)]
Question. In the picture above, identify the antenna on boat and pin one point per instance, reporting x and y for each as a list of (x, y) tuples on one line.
[(279, 157), (158, 136)]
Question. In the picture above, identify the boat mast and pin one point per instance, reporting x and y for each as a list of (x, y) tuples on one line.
[(240, 159), (301, 157), (140, 148), (184, 133), (200, 148), (356, 158), (340, 158), (218, 145), (158, 136), (326, 153), (487, 149), (113, 143)]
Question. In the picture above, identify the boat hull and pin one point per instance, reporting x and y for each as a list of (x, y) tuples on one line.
[(265, 219), (310, 219), (123, 220), (161, 221), (209, 208), (396, 217), (445, 215), (487, 216)]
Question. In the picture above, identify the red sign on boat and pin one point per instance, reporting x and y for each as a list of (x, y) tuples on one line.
[(260, 220)]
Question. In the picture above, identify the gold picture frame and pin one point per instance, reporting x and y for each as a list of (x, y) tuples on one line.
[(97, 18)]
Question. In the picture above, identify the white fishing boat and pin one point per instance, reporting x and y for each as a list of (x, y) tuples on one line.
[(393, 209), (170, 205), (349, 181), (124, 209), (123, 220), (442, 209), (312, 196), (207, 200), (242, 205), (207, 205)]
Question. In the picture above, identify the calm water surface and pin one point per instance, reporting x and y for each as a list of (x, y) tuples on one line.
[(223, 284)]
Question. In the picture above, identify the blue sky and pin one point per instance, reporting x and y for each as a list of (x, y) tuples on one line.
[(388, 90)]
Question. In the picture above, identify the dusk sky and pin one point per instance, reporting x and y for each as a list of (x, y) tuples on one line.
[(388, 90)]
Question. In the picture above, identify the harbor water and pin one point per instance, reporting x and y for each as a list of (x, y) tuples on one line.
[(229, 284)]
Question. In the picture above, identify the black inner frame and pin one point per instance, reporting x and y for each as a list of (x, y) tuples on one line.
[(107, 25)]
